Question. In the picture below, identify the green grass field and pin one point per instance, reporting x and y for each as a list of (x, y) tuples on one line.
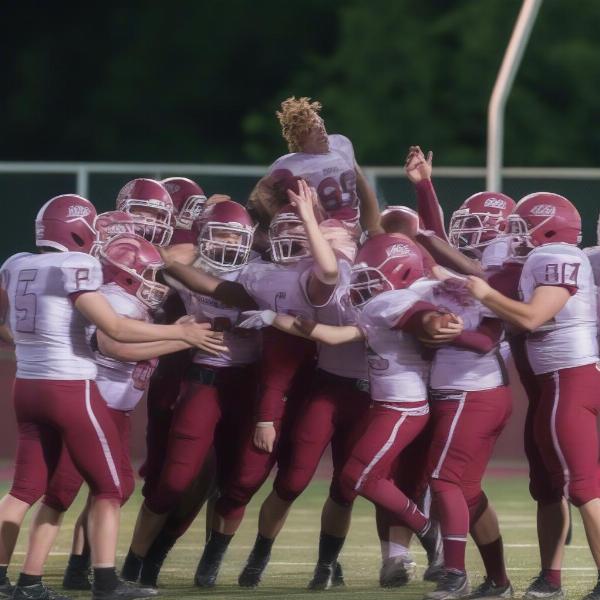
[(295, 551)]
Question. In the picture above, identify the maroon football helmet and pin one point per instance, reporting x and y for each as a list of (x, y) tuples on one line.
[(545, 218), (66, 223), (111, 223), (188, 199), (400, 219), (226, 234), (132, 262), (287, 236), (389, 261), (149, 200), (479, 220)]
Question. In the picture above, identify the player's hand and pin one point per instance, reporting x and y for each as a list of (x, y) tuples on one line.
[(203, 337), (181, 253), (304, 201), (478, 287), (441, 328), (418, 167), (264, 437)]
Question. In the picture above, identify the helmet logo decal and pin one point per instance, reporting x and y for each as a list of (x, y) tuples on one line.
[(495, 203), (76, 210), (397, 250), (543, 210)]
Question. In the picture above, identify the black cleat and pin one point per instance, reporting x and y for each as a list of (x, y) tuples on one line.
[(397, 571), (124, 591), (594, 594), (149, 573), (541, 589), (488, 589), (337, 579), (6, 589), (434, 547), (37, 591), (322, 577), (450, 586), (132, 567), (252, 573), (76, 579), (207, 571)]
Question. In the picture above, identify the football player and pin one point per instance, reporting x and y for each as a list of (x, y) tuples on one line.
[(557, 310), (49, 299), (325, 162)]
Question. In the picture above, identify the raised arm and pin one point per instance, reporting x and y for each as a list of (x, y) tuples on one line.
[(369, 207), (447, 256), (547, 301), (418, 169)]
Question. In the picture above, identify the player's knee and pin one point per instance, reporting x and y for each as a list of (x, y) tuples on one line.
[(339, 494), (127, 487), (582, 491), (290, 486), (28, 494), (60, 500), (440, 486), (230, 508), (477, 505), (543, 492)]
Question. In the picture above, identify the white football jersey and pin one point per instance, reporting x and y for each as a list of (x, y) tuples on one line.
[(455, 368), (243, 344), (122, 384), (397, 371), (345, 360), (281, 288), (51, 335), (333, 174), (569, 339)]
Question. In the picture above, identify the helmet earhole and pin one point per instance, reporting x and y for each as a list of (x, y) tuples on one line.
[(406, 274), (550, 234), (129, 281), (77, 240)]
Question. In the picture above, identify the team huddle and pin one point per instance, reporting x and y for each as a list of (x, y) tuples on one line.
[(260, 335)]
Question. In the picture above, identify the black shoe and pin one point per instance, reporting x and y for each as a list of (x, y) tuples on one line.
[(434, 547), (541, 589), (132, 567), (37, 591), (76, 579), (322, 577), (451, 586), (6, 589), (338, 576), (124, 591), (254, 569), (488, 589), (594, 594), (397, 571), (207, 571)]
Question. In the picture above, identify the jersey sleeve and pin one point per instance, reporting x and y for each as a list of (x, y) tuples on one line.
[(387, 309), (340, 143), (555, 269), (81, 273), (122, 305)]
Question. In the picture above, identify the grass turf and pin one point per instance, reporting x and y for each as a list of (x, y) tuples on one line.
[(294, 553)]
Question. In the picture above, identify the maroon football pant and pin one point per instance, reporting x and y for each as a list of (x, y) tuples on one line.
[(53, 413), (465, 427), (369, 470), (565, 430), (254, 465), (334, 413), (67, 481), (215, 406)]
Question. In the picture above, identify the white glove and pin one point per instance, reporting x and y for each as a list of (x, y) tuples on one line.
[(257, 319)]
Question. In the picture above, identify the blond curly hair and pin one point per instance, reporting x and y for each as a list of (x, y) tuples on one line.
[(297, 117)]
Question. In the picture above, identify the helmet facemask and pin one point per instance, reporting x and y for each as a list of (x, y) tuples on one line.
[(288, 239), (473, 231), (153, 220), (190, 211), (365, 283), (224, 247)]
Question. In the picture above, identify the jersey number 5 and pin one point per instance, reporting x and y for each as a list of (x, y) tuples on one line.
[(26, 301)]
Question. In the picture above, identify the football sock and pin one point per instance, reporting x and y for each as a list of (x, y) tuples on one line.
[(160, 547), (132, 566), (552, 576), (216, 546), (3, 571), (79, 562), (395, 550), (262, 545), (454, 553), (27, 580), (105, 578), (330, 547), (492, 555)]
